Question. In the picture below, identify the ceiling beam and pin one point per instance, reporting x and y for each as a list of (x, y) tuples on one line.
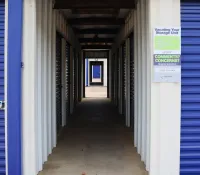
[(70, 4), (96, 47), (96, 21), (97, 31), (113, 12), (96, 40)]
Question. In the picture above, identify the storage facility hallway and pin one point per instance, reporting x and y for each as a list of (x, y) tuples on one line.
[(95, 142)]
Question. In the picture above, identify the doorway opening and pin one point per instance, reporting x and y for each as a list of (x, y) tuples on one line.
[(90, 116), (96, 76)]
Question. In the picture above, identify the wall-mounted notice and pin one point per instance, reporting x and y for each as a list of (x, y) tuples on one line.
[(167, 54)]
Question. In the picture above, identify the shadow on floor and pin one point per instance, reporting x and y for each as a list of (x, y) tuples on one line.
[(95, 143)]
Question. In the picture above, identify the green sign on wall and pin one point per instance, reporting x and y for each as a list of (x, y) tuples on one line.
[(167, 40), (167, 54)]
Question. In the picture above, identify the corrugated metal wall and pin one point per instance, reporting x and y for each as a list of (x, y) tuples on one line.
[(39, 81), (2, 97), (190, 111)]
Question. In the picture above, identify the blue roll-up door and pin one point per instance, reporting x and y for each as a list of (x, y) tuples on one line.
[(2, 116), (190, 98), (96, 71)]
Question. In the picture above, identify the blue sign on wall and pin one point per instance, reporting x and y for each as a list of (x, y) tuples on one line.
[(96, 71)]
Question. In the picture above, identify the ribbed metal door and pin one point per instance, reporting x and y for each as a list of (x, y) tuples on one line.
[(58, 81), (131, 82), (2, 114), (190, 96), (67, 93), (124, 79)]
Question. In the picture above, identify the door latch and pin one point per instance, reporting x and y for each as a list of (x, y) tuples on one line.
[(2, 105)]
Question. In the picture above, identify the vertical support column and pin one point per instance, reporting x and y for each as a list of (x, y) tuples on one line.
[(88, 70), (64, 116), (39, 85), (71, 80), (108, 95), (49, 14), (29, 89), (105, 63), (136, 70), (82, 74), (44, 80), (165, 99), (143, 80), (83, 64), (109, 74), (148, 86), (139, 78), (53, 75)]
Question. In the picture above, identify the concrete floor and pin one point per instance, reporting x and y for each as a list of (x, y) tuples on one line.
[(95, 143), (95, 91)]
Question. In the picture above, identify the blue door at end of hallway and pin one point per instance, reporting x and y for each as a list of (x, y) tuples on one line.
[(96, 71)]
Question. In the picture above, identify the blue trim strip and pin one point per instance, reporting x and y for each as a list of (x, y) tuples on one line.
[(15, 15)]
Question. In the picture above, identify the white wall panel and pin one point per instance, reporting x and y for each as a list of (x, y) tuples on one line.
[(53, 75), (39, 85), (29, 90), (165, 99), (49, 47), (144, 65), (136, 70), (44, 81), (71, 80), (148, 87), (143, 80), (139, 80)]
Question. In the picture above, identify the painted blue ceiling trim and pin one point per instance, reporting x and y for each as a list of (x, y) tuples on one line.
[(15, 15)]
